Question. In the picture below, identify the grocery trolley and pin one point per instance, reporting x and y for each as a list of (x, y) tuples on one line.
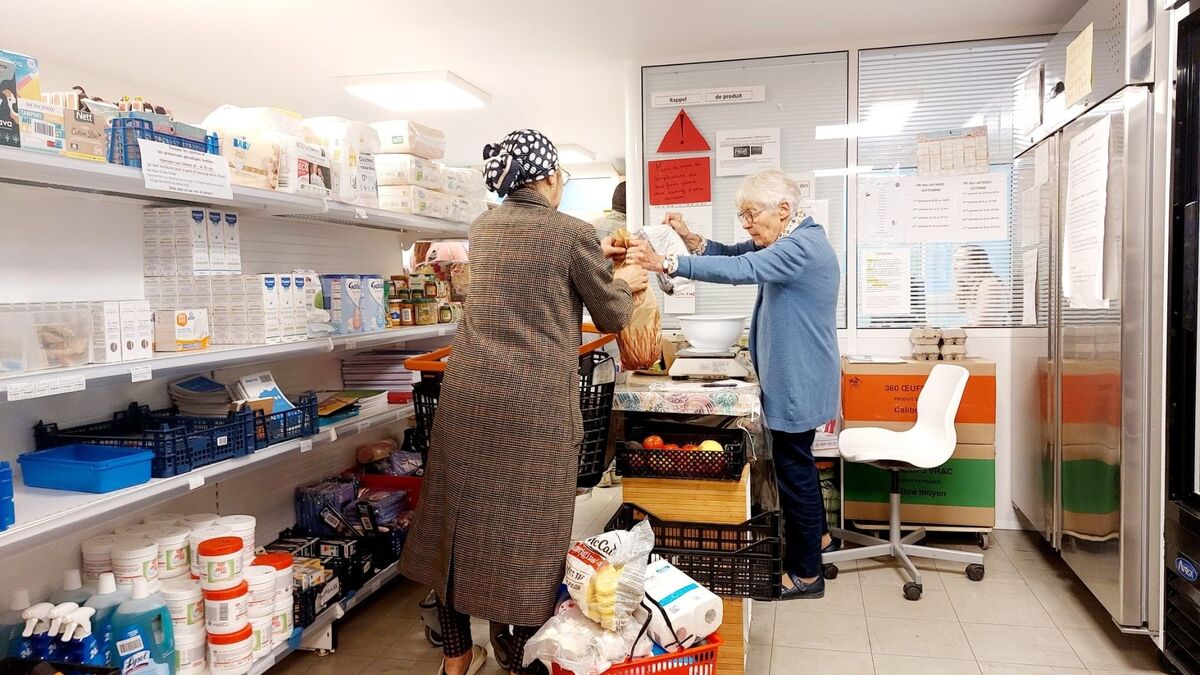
[(597, 382)]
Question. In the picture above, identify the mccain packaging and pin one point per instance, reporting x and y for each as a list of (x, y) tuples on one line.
[(85, 135)]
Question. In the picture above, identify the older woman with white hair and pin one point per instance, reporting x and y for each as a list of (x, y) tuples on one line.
[(793, 342)]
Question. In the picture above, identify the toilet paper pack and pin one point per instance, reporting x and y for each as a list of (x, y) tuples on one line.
[(682, 612)]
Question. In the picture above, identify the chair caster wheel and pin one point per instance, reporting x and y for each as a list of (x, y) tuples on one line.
[(830, 572), (912, 591), (433, 637), (975, 572)]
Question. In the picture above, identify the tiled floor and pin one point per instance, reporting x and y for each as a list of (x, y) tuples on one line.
[(1028, 616)]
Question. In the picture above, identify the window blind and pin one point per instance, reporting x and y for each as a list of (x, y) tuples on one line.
[(802, 93), (947, 87)]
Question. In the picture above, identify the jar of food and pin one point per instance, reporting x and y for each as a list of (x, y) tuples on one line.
[(456, 311), (393, 316), (426, 311), (408, 311), (445, 315), (443, 289), (431, 287)]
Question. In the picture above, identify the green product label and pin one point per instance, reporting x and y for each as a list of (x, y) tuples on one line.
[(1091, 486), (958, 482)]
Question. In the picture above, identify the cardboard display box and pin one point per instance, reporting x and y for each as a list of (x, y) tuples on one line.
[(961, 492), (1091, 490), (885, 395)]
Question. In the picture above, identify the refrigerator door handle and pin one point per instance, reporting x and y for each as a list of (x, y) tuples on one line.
[(1191, 221)]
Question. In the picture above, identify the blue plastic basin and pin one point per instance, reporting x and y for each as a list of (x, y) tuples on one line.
[(86, 468)]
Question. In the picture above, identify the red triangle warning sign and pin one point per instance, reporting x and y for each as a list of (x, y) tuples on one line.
[(683, 136)]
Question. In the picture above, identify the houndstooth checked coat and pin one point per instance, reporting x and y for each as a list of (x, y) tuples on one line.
[(494, 520)]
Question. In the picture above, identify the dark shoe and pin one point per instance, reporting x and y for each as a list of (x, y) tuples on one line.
[(803, 591), (834, 545)]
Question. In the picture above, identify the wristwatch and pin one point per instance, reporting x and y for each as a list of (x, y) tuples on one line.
[(670, 265)]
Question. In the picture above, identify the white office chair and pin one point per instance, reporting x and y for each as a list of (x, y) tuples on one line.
[(928, 444)]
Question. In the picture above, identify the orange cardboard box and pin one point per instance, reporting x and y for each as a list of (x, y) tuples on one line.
[(885, 395)]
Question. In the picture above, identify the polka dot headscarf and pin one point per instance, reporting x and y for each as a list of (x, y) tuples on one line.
[(524, 156)]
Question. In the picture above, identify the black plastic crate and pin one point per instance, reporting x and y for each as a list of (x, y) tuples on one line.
[(309, 603), (595, 405), (288, 425), (180, 443), (743, 560), (15, 666), (638, 462)]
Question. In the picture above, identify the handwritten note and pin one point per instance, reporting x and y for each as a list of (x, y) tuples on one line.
[(680, 181), (1079, 66), (172, 169)]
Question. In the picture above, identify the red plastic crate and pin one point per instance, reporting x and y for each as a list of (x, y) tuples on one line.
[(699, 660), (410, 484)]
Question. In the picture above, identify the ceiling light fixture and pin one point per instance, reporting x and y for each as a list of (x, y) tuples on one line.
[(570, 153), (848, 171), (884, 119), (434, 90)]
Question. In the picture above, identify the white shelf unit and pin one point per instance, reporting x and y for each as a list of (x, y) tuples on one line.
[(40, 510), (49, 382), (25, 167)]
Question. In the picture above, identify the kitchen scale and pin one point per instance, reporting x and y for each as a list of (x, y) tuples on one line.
[(703, 364)]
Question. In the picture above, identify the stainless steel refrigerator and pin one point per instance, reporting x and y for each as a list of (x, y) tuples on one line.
[(1086, 486)]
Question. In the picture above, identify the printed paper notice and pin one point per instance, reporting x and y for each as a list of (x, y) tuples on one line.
[(1041, 164), (881, 210), (958, 208), (886, 286), (1079, 66), (741, 152), (680, 181), (1029, 269), (173, 169), (1083, 220), (953, 153), (1030, 215)]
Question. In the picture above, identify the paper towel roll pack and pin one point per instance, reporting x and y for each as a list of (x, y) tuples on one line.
[(682, 612)]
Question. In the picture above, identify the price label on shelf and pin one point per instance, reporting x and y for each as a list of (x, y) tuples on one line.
[(195, 482), (351, 344), (306, 445), (360, 213), (141, 373), (333, 435), (364, 427), (75, 383)]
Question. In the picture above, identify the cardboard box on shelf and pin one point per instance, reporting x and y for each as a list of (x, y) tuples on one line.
[(42, 126), (85, 136), (25, 77), (106, 332), (181, 330), (961, 492), (885, 395), (137, 330), (10, 118)]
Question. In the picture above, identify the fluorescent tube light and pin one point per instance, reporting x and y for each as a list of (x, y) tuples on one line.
[(398, 92), (843, 172), (884, 119)]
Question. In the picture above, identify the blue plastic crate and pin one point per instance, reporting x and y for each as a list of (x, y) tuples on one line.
[(287, 425), (86, 468), (124, 132), (180, 443), (7, 513)]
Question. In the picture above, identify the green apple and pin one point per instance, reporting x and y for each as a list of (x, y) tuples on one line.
[(711, 446)]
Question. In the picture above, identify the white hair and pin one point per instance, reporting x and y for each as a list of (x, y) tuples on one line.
[(768, 189)]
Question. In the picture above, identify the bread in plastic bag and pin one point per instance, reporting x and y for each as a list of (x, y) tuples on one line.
[(580, 645), (641, 340), (605, 574)]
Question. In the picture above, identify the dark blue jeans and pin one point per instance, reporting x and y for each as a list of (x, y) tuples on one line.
[(800, 499)]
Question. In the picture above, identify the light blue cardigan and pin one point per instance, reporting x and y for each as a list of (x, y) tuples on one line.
[(793, 334)]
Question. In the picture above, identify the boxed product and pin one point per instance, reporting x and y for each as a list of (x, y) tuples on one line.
[(10, 122), (215, 240), (253, 160), (403, 136), (303, 169), (85, 135), (346, 143), (26, 80), (368, 181), (42, 126), (415, 200), (106, 332), (263, 308), (464, 182), (408, 170), (43, 335), (885, 395), (232, 241), (181, 330), (374, 304), (137, 330), (961, 492)]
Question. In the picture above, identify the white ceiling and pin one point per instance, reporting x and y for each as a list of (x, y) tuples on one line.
[(558, 65)]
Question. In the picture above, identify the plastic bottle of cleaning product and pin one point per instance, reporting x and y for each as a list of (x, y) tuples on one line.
[(12, 623), (142, 639), (106, 600), (82, 647), (72, 590), (58, 616), (37, 643)]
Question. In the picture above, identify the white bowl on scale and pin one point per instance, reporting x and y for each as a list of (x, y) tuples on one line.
[(712, 332)]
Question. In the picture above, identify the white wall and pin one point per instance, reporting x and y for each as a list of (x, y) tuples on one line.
[(57, 77)]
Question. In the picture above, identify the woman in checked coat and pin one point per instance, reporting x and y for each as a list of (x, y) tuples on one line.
[(494, 522)]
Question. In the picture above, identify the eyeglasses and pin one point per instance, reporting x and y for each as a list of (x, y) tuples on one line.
[(566, 175), (748, 216)]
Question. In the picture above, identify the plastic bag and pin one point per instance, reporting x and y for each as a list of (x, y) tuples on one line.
[(578, 644), (605, 574), (641, 340)]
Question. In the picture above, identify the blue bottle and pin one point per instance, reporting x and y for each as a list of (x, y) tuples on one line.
[(106, 600), (12, 623), (142, 638), (81, 645), (37, 643)]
